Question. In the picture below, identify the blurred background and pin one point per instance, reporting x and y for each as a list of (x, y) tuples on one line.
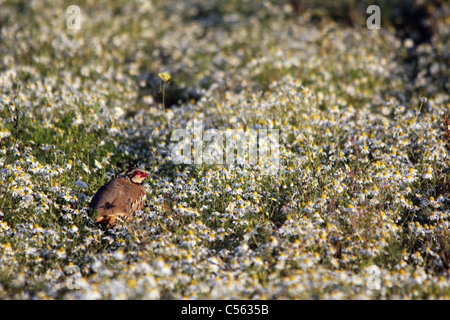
[(233, 45)]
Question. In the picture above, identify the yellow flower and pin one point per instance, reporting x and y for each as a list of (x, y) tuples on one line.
[(164, 76)]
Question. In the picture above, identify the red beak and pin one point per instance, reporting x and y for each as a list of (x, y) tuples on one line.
[(143, 174)]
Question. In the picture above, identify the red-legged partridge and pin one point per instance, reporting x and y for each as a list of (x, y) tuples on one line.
[(120, 197)]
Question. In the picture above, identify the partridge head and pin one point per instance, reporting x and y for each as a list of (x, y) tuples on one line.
[(120, 197)]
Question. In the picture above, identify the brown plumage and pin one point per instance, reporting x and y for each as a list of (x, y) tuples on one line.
[(120, 197)]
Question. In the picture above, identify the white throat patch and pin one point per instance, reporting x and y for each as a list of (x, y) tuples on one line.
[(137, 179)]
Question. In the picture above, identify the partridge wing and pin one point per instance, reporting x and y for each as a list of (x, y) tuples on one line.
[(109, 201)]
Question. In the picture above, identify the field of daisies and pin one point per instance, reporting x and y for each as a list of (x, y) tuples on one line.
[(359, 207)]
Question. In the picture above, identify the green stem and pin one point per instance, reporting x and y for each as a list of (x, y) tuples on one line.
[(164, 91)]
